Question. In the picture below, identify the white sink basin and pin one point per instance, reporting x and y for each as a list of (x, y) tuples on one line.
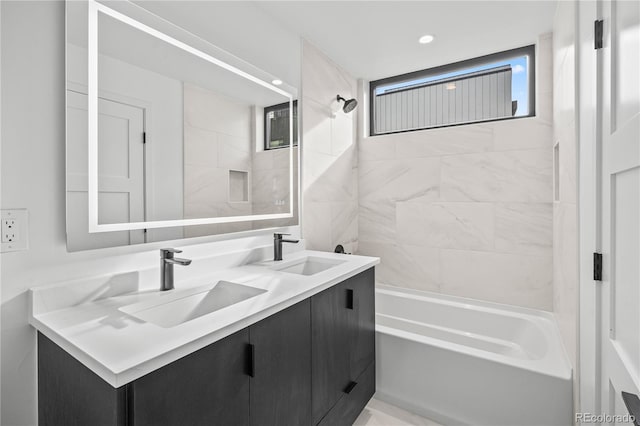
[(193, 305), (309, 265)]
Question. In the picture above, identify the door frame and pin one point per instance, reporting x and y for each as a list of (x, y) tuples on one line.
[(589, 147)]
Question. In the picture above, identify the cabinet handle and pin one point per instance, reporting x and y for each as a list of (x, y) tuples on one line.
[(251, 358), (350, 387), (350, 300)]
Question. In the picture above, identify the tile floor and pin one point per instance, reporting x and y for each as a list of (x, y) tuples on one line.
[(378, 413)]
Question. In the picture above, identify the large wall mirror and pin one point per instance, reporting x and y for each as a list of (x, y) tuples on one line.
[(169, 136)]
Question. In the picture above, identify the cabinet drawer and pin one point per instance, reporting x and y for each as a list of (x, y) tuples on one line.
[(348, 408)]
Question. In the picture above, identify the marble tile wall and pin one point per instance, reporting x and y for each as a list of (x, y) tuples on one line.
[(465, 210), (330, 155), (565, 209), (214, 143), (270, 186), (217, 138)]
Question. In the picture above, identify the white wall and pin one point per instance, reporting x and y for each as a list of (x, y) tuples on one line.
[(33, 177), (465, 210), (330, 156)]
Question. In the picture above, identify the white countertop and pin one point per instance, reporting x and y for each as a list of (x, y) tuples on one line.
[(85, 319)]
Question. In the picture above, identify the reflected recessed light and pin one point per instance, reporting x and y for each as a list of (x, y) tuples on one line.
[(451, 86), (277, 82), (427, 38)]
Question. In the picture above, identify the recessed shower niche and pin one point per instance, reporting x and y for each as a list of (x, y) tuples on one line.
[(238, 186)]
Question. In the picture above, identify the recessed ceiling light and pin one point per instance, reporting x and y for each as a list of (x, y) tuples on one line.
[(451, 86), (277, 82), (427, 38)]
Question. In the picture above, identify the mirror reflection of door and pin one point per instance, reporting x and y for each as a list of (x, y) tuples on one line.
[(121, 172)]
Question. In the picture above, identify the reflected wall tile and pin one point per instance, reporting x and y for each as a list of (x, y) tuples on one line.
[(262, 160), (232, 155), (505, 278), (525, 228), (282, 158), (208, 110), (467, 226), (267, 208), (205, 184), (200, 147), (400, 180), (197, 209), (201, 230), (377, 221), (270, 185), (226, 228), (404, 265), (234, 209), (519, 176)]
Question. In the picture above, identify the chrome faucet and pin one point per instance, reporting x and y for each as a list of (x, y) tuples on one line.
[(277, 245), (166, 267)]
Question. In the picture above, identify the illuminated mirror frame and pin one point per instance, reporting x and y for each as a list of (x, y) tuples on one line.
[(92, 92)]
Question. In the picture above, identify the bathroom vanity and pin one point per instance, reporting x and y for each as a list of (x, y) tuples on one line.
[(301, 352)]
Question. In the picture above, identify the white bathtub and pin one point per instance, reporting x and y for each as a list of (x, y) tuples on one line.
[(467, 362)]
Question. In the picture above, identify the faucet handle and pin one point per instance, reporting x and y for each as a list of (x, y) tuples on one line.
[(279, 235), (168, 251)]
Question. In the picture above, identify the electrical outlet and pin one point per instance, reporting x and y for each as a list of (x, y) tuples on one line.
[(14, 230), (9, 230)]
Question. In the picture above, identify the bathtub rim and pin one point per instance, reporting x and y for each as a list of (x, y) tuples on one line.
[(555, 364)]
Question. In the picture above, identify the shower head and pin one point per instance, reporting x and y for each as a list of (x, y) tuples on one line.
[(349, 105)]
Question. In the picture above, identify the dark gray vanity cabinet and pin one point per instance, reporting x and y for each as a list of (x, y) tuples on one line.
[(72, 395), (329, 348), (209, 386), (343, 350), (281, 368), (311, 363), (362, 318)]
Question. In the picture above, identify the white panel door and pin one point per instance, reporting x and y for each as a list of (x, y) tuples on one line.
[(120, 170), (620, 331)]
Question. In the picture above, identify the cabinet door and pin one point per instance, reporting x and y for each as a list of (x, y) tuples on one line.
[(362, 339), (329, 348), (281, 370), (208, 387), (72, 395)]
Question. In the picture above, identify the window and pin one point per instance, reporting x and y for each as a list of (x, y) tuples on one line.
[(276, 126), (492, 87)]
